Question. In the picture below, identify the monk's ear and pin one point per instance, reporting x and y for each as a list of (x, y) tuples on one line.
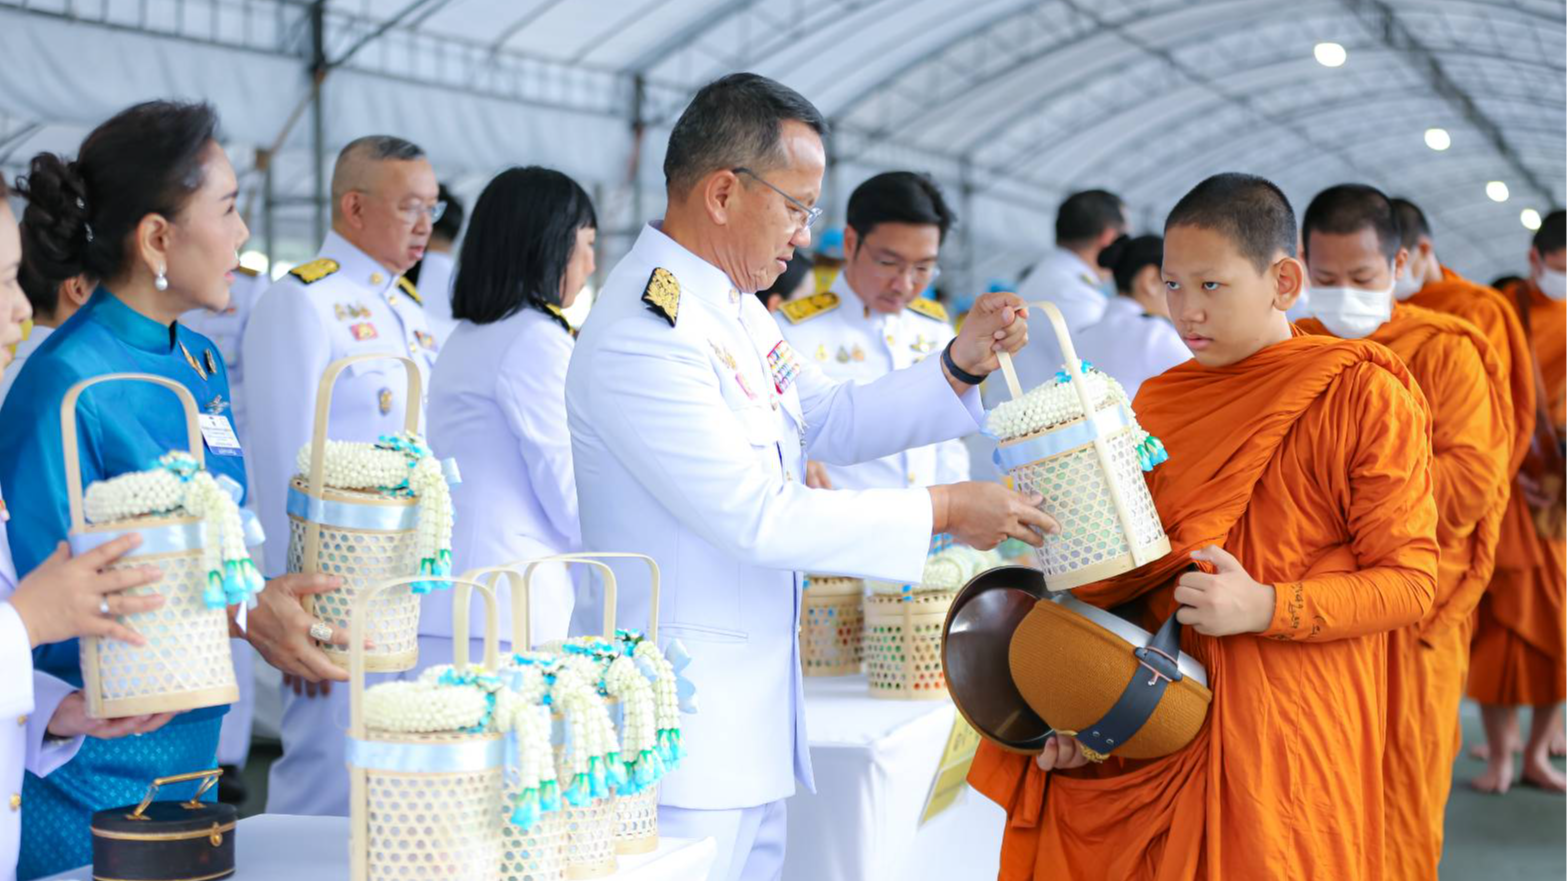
[(1289, 280), (1400, 262)]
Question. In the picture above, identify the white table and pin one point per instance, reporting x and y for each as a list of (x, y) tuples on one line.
[(277, 846), (875, 761)]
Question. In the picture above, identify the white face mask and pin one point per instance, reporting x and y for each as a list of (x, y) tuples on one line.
[(1406, 285), (1553, 284), (1351, 313)]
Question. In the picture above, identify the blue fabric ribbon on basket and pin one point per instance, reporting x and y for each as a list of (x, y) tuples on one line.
[(177, 538), (1083, 432), (350, 515), (433, 758)]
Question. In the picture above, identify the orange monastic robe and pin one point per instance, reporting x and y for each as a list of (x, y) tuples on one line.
[(1520, 640), (1310, 462), (1465, 385)]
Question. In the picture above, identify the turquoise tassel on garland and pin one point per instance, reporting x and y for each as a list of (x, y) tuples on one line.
[(1151, 453), (214, 595), (549, 796)]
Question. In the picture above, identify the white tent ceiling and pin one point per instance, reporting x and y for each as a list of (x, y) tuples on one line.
[(1011, 103)]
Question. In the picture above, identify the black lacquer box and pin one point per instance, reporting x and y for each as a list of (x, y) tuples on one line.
[(165, 840)]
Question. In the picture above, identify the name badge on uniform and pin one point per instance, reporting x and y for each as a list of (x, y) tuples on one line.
[(783, 365), (219, 434)]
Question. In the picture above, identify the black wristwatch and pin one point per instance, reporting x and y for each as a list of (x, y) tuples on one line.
[(958, 373)]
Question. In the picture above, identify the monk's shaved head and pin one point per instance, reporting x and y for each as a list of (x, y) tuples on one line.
[(1248, 210), (359, 162), (1552, 234), (1349, 208), (1412, 223)]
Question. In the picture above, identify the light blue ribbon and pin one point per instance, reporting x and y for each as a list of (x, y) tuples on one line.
[(432, 758), (1081, 433), (176, 538), (352, 515)]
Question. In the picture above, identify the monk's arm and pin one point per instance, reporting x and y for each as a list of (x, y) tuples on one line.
[(1390, 515), (1469, 437)]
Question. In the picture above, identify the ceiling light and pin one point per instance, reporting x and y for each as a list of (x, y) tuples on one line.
[(1330, 54), (1497, 191), (1438, 139), (1530, 218)]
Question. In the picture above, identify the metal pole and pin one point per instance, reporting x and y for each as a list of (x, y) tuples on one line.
[(268, 218), (318, 69), (966, 223), (638, 129)]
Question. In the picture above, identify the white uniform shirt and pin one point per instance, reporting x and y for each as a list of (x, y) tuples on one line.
[(296, 329), (1062, 278), (226, 329), (435, 285), (26, 347), (498, 406), (689, 441), (851, 342), (28, 700), (1131, 345)]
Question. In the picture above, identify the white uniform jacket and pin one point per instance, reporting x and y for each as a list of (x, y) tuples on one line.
[(1131, 345), (691, 419), (1062, 278), (852, 343)]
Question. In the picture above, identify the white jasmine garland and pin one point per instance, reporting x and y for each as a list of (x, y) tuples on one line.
[(1052, 404), (176, 486), (397, 465), (590, 737)]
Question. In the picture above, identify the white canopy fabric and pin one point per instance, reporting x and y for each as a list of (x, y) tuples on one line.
[(1010, 104)]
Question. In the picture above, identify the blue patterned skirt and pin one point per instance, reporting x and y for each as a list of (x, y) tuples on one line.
[(57, 810)]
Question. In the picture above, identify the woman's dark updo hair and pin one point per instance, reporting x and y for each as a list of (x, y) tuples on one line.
[(144, 160), (520, 238), (1126, 256)]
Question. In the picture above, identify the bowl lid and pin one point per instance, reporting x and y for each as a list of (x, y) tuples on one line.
[(975, 642)]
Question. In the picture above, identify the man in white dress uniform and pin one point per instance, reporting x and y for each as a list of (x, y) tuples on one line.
[(691, 419), (1070, 277), (873, 320), (350, 300)]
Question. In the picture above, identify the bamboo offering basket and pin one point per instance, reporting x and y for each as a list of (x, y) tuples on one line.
[(832, 626)]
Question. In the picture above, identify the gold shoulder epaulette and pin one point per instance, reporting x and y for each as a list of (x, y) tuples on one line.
[(408, 288), (315, 270), (810, 307), (662, 295), (929, 308)]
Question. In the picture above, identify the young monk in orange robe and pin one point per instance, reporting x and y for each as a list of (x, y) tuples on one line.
[(1435, 286), (1353, 254), (1520, 642), (1307, 460)]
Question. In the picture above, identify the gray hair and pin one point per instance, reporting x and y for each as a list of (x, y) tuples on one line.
[(348, 174), (734, 121)]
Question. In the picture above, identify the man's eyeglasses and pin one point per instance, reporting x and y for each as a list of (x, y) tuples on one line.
[(810, 215), (411, 211)]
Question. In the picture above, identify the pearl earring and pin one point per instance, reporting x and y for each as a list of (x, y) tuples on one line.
[(161, 282)]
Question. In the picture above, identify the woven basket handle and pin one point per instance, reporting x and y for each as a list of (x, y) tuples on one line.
[(517, 584), (611, 591), (1063, 338), (654, 578), (356, 636), (68, 442)]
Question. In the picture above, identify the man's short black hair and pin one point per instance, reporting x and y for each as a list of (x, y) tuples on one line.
[(899, 197), (1084, 216), (1248, 210), (734, 121), (1552, 234), (1412, 223), (450, 224), (1350, 208)]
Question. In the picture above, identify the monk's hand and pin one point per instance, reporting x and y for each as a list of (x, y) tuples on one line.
[(1061, 752), (995, 324), (1226, 602), (279, 628), (982, 514)]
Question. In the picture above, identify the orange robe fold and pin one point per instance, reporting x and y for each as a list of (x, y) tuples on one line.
[(1520, 642), (1310, 462), (1466, 387)]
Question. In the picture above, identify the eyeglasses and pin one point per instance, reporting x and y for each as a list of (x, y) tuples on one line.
[(889, 269), (412, 211), (811, 214)]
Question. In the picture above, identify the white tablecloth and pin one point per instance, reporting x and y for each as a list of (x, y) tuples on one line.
[(277, 846), (875, 761)]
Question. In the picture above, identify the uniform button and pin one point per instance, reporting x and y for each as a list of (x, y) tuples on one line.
[(911, 478), (377, 278), (16, 801), (775, 404), (413, 348), (21, 720)]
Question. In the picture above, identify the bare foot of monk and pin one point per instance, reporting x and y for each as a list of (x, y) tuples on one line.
[(1539, 772), (1498, 776), (1501, 721), (1559, 742)]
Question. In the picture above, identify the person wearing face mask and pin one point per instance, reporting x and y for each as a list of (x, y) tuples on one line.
[(351, 300), (691, 420), (498, 394), (147, 206), (872, 319), (1520, 642), (1135, 339), (1353, 256)]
